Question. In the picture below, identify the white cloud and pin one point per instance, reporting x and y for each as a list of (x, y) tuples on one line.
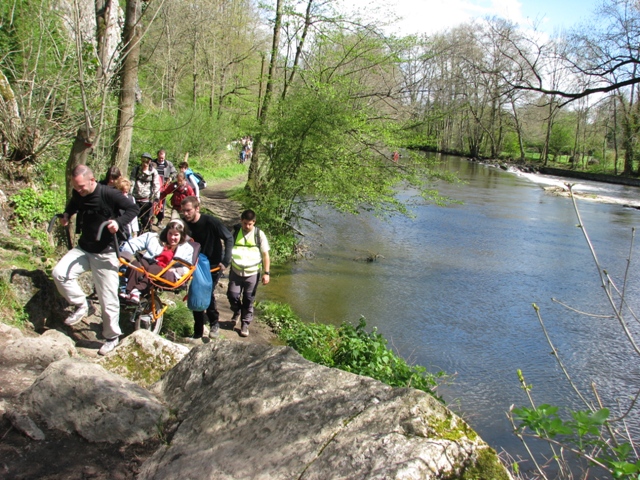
[(430, 16)]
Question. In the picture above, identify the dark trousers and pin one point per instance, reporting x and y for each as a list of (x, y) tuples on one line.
[(245, 287), (145, 216), (211, 314), (139, 280)]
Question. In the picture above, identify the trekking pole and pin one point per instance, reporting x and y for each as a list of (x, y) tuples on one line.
[(115, 237), (67, 235)]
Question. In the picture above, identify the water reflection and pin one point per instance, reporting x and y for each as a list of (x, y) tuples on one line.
[(455, 287)]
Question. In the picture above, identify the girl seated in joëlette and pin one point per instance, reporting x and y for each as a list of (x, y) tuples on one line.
[(161, 249)]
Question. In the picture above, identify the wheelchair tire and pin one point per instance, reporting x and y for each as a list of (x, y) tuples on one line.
[(143, 315)]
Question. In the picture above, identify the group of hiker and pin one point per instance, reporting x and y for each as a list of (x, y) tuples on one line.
[(246, 148), (125, 208)]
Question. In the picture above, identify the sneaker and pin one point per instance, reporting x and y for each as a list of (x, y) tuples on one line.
[(244, 331), (81, 312), (109, 346), (214, 331), (134, 297)]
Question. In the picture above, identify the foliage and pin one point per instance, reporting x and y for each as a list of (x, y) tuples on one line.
[(42, 105), (190, 130), (33, 208), (318, 150), (348, 348), (179, 320)]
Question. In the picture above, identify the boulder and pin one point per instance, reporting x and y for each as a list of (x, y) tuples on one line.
[(143, 357), (36, 353), (261, 412), (82, 397)]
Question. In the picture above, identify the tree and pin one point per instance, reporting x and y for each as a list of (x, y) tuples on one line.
[(132, 34), (39, 94)]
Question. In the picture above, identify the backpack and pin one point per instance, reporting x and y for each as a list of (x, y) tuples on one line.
[(104, 210), (138, 175), (202, 184)]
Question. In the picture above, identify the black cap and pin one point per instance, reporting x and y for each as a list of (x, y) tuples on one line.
[(147, 155)]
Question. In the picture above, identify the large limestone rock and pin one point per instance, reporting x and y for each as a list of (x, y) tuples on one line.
[(251, 411), (37, 352), (82, 397), (144, 357)]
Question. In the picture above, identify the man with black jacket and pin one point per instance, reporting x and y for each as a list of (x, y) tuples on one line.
[(216, 243), (94, 204)]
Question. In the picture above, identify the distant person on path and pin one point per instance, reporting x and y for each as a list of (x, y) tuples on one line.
[(216, 243), (396, 156), (167, 172), (93, 204), (179, 190), (192, 181), (145, 189), (250, 252)]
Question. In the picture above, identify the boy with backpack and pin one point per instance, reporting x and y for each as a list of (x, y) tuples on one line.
[(250, 252), (194, 180)]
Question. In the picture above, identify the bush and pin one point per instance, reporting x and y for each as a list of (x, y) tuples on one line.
[(32, 208), (178, 320), (348, 348)]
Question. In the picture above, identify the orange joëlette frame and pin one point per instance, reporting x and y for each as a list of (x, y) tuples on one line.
[(157, 280)]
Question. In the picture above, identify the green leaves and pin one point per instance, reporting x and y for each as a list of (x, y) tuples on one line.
[(347, 347), (583, 433), (32, 208), (543, 420)]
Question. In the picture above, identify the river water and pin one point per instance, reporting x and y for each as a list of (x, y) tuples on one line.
[(454, 287)]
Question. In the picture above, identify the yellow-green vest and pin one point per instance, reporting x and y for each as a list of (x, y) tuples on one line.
[(246, 256)]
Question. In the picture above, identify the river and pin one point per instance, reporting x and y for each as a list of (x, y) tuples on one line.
[(454, 287)]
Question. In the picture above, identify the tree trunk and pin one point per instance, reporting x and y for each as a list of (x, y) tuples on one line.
[(254, 166), (128, 81), (106, 30), (80, 150)]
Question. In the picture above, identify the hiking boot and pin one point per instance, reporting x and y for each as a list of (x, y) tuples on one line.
[(214, 330), (234, 319), (109, 346), (81, 311), (244, 331)]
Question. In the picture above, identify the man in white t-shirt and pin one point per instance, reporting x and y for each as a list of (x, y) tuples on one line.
[(249, 262)]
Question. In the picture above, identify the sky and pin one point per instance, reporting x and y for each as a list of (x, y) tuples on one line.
[(431, 16)]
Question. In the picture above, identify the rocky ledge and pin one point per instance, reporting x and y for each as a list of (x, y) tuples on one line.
[(229, 410)]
